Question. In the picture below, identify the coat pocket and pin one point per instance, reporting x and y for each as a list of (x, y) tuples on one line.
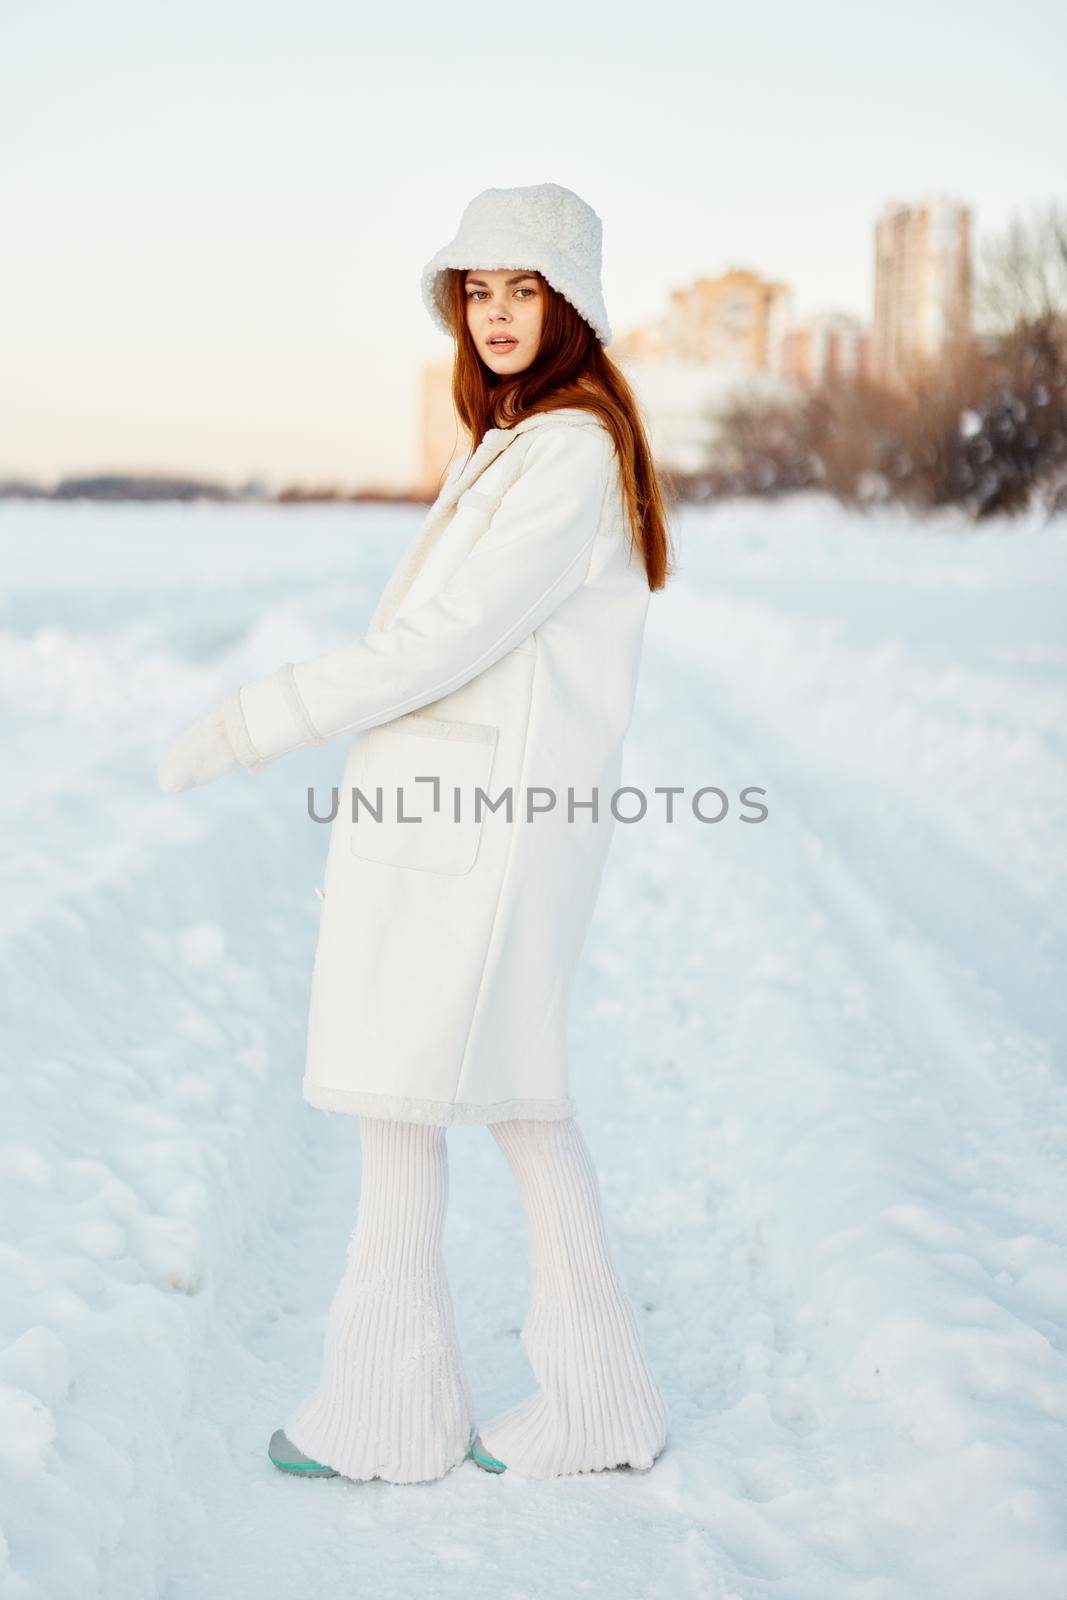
[(416, 782)]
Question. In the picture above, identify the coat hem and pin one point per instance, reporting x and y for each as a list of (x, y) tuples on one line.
[(442, 1113)]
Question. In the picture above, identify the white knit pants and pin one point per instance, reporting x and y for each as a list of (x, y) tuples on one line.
[(393, 1400), (598, 1404)]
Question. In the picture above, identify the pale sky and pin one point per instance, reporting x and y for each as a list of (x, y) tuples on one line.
[(215, 215)]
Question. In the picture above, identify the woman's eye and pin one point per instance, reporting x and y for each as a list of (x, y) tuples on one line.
[(472, 294)]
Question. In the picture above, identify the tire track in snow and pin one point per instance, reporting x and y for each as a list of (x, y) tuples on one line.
[(976, 1234), (934, 882)]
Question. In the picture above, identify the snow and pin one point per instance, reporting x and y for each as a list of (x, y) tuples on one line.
[(818, 1060)]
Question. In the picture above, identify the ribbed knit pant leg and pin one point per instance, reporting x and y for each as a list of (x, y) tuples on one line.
[(393, 1400), (598, 1404)]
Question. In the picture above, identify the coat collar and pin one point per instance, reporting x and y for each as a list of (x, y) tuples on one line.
[(460, 479), (493, 441)]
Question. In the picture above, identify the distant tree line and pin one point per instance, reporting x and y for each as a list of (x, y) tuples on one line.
[(154, 487), (299, 494), (985, 428)]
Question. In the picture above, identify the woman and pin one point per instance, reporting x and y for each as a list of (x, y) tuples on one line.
[(501, 662)]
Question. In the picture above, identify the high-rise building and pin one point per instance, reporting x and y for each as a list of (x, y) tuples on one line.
[(825, 348), (718, 339), (735, 322), (922, 285)]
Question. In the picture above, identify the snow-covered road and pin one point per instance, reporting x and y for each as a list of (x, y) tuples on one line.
[(819, 1062)]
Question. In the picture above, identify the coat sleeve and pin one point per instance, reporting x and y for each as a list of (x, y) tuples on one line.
[(535, 552)]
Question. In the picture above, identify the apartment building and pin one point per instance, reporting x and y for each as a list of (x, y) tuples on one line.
[(735, 322), (825, 348), (923, 285)]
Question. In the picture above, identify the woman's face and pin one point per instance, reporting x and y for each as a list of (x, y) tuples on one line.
[(505, 315)]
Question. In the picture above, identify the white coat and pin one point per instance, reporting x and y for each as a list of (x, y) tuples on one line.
[(504, 652)]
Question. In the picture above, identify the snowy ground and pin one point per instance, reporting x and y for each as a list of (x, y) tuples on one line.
[(819, 1061)]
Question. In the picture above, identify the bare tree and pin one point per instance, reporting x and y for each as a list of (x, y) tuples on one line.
[(1022, 272), (1021, 428)]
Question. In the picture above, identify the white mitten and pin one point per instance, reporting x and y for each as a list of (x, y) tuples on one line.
[(198, 755)]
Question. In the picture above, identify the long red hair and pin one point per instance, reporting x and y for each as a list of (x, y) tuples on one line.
[(572, 368)]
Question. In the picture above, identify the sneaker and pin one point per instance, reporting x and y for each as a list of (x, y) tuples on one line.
[(481, 1456), (287, 1458)]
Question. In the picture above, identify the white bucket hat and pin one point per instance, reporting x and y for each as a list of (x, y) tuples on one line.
[(542, 227)]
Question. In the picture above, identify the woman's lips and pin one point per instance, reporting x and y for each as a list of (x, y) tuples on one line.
[(502, 342)]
